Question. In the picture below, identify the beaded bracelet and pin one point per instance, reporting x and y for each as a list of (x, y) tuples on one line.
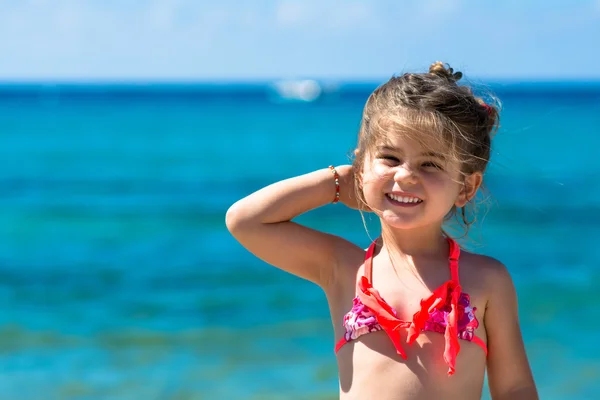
[(336, 176)]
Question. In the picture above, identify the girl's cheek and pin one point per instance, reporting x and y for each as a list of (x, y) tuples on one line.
[(379, 170)]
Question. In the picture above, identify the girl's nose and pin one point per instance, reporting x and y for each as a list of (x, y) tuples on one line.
[(405, 174)]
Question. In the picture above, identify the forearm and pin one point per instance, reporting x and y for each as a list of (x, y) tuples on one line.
[(284, 200)]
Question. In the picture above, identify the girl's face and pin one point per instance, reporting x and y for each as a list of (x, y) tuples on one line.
[(411, 184)]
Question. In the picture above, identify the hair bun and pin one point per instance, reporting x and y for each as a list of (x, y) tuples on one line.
[(445, 71)]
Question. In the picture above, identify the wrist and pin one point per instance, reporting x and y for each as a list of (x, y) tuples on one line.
[(345, 179)]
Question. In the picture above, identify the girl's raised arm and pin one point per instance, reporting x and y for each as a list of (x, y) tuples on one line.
[(262, 223)]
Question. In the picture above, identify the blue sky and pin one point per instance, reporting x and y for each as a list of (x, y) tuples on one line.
[(326, 39)]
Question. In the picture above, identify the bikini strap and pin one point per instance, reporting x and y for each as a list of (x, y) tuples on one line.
[(369, 261), (453, 260), (477, 340)]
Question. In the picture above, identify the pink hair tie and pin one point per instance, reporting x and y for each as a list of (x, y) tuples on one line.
[(488, 108)]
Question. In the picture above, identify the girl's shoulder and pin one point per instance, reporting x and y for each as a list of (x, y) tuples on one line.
[(480, 263), (488, 273)]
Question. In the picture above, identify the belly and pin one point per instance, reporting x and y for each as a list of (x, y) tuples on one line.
[(370, 368)]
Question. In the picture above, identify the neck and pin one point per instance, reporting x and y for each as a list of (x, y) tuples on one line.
[(420, 242)]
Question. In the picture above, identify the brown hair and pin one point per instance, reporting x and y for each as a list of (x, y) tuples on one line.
[(432, 102)]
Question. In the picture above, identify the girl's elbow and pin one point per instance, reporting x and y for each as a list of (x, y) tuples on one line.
[(234, 218), (240, 218)]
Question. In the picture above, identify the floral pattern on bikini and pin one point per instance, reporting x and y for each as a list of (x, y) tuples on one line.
[(359, 320), (467, 322)]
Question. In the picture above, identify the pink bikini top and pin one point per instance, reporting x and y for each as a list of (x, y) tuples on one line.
[(447, 311)]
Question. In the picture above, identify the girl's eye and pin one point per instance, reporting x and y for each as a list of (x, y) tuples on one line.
[(389, 157), (430, 164)]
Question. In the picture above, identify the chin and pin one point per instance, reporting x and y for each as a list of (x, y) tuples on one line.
[(401, 222)]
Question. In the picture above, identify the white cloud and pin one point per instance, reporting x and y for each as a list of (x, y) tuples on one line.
[(438, 9), (327, 16), (291, 13)]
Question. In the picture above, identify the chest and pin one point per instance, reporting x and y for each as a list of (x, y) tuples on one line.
[(404, 289)]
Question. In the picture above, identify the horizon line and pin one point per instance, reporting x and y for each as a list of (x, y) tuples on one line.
[(265, 81)]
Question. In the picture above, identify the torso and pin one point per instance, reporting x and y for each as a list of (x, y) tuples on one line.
[(370, 365)]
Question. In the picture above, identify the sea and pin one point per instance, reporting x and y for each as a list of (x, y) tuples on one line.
[(119, 279)]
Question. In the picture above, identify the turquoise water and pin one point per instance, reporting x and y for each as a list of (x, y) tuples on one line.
[(119, 280)]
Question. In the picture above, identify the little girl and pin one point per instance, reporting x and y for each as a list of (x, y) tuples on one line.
[(416, 316)]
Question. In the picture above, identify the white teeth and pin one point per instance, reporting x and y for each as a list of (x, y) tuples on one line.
[(405, 199)]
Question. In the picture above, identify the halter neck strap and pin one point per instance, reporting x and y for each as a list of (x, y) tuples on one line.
[(453, 257), (453, 260), (369, 261)]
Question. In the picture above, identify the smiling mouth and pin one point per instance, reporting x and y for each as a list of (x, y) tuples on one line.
[(404, 199)]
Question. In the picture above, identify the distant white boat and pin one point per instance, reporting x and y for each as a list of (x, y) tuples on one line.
[(298, 90)]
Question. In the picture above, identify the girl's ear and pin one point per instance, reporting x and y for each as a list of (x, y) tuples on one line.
[(469, 189)]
